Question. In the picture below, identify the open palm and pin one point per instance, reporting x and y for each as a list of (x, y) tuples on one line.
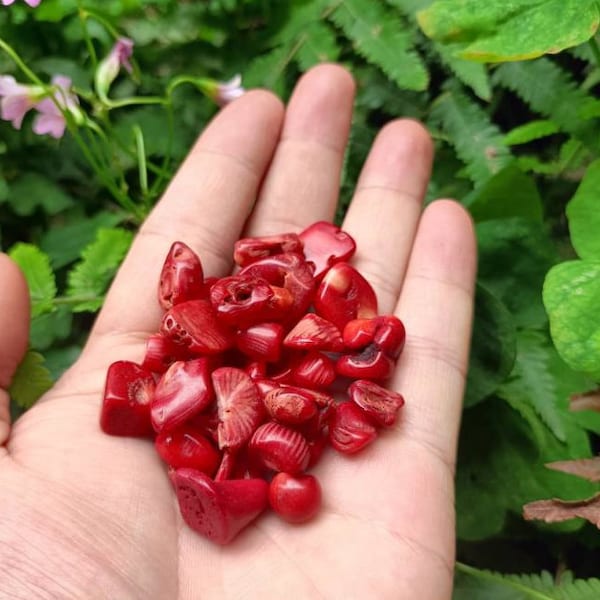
[(86, 515)]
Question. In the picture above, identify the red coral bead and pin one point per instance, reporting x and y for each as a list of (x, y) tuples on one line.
[(296, 499), (181, 278), (326, 244)]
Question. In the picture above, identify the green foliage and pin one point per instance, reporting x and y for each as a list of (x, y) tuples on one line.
[(475, 584), (40, 278), (477, 140), (493, 347), (383, 39), (31, 380), (89, 279), (516, 143)]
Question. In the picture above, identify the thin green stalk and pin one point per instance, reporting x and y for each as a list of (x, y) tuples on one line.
[(67, 300), (166, 164), (86, 35), (141, 155), (134, 101)]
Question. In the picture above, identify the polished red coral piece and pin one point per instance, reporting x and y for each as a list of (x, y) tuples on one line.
[(240, 386), (181, 278)]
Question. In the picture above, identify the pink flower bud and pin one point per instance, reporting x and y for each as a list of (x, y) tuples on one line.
[(109, 68)]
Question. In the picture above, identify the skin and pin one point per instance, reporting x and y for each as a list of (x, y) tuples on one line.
[(86, 515)]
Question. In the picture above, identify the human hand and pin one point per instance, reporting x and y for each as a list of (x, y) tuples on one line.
[(86, 515)]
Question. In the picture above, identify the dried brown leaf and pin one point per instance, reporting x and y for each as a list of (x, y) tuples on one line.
[(587, 468), (586, 401), (555, 510)]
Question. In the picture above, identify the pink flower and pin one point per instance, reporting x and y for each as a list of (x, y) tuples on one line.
[(229, 90), (16, 99), (50, 119), (109, 68), (221, 93), (32, 3)]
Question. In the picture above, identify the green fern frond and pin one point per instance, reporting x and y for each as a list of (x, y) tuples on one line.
[(532, 382), (478, 142), (384, 39), (472, 74), (317, 44), (480, 584), (550, 91)]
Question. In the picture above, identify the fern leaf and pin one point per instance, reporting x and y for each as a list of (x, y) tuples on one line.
[(478, 142), (317, 45), (534, 130), (480, 584), (550, 91), (383, 39), (472, 74), (89, 278), (265, 70), (532, 382)]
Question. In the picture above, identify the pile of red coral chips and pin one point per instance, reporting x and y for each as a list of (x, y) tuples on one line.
[(237, 386)]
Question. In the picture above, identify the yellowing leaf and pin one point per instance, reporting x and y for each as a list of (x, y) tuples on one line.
[(501, 30)]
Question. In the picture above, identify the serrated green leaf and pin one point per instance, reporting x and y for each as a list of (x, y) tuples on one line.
[(508, 193), (40, 278), (497, 31), (477, 140), (32, 190), (534, 130), (317, 45), (514, 256), (50, 327), (383, 39), (476, 584), (531, 382), (493, 347), (583, 212), (550, 90), (90, 277), (31, 380), (472, 74), (266, 70), (571, 293)]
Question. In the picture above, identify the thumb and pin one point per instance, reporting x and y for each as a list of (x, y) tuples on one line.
[(14, 332)]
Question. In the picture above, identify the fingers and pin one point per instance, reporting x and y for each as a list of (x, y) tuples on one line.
[(303, 182), (387, 203), (14, 332), (436, 305), (205, 206)]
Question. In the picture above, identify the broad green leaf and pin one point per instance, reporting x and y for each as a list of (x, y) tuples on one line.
[(493, 347), (55, 10), (551, 91), (571, 294), (501, 467), (583, 212), (477, 140), (514, 256), (497, 30), (384, 40), (64, 243), (508, 193), (476, 584), (31, 380), (40, 278), (33, 190), (88, 280), (534, 130)]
